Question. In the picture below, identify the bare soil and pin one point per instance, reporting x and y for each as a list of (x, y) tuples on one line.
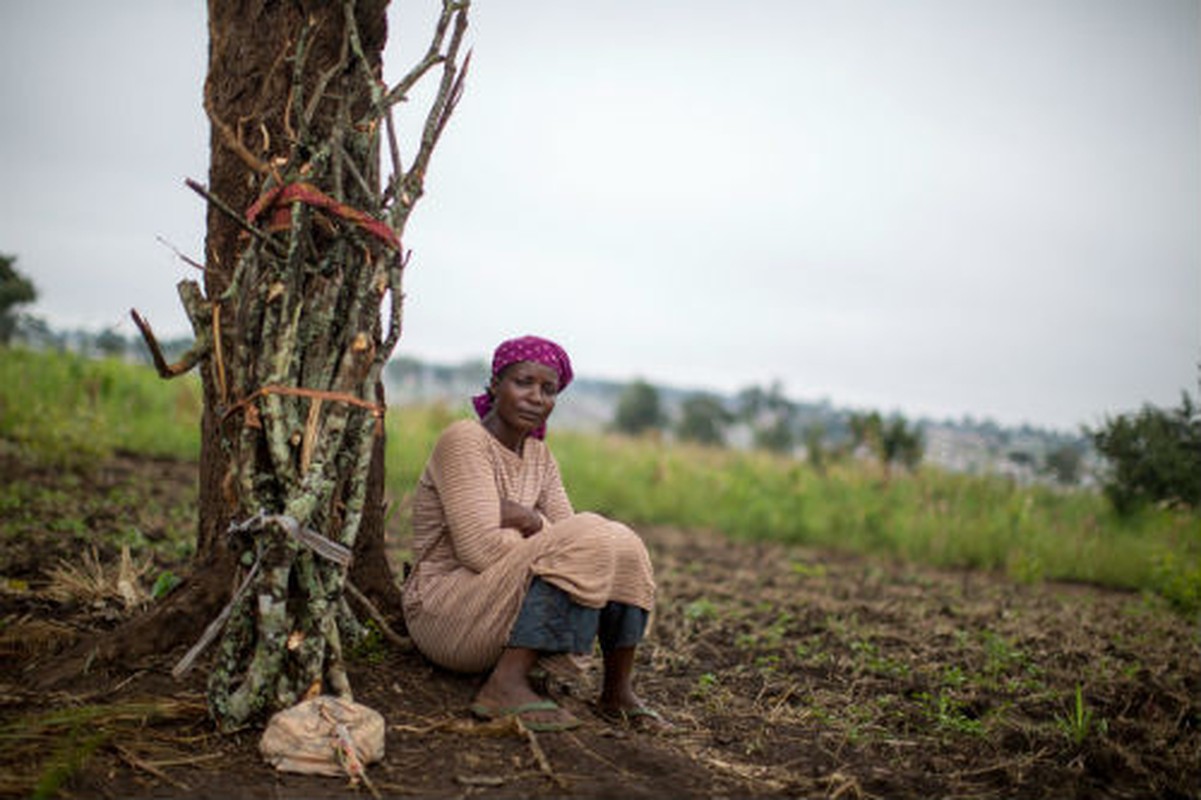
[(787, 671)]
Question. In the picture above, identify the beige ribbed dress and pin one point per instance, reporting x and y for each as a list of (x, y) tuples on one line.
[(470, 575)]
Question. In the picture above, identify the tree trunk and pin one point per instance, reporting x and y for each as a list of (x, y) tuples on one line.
[(265, 62), (303, 254)]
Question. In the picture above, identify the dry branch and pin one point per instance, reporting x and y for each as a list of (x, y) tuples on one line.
[(190, 359), (225, 209)]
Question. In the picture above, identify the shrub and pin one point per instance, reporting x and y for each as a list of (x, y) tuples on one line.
[(1154, 456)]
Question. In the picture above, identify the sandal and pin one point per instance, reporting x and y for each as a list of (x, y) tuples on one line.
[(639, 718), (483, 712)]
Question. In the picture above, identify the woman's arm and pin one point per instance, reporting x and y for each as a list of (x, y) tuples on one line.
[(462, 473), (553, 500)]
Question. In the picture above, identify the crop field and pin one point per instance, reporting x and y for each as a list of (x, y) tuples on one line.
[(833, 634)]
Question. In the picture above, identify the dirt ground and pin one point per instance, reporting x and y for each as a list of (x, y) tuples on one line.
[(788, 672)]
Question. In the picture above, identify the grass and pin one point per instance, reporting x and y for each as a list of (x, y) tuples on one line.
[(933, 517), (71, 411), (57, 744)]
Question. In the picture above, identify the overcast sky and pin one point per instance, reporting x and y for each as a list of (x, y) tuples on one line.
[(942, 208)]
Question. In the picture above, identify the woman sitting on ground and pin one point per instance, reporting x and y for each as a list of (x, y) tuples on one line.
[(505, 571)]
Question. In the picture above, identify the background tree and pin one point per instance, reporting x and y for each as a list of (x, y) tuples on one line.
[(37, 333), (867, 430), (1021, 458), (816, 451), (771, 417), (703, 419), (892, 441), (902, 444), (1063, 463), (110, 343), (300, 309), (1154, 455), (15, 290), (639, 410), (775, 434), (751, 403)]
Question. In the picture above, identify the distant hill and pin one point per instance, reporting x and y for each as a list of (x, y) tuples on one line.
[(971, 446)]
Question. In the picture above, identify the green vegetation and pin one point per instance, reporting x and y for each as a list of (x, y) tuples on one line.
[(70, 754), (1063, 463), (639, 410), (15, 290), (771, 417), (948, 714), (1077, 722), (1031, 533), (73, 735), (1155, 455), (892, 441), (703, 420), (71, 410)]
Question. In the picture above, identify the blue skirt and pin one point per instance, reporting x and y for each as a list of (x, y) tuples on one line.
[(551, 622)]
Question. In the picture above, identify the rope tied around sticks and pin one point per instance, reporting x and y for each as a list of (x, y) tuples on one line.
[(278, 199)]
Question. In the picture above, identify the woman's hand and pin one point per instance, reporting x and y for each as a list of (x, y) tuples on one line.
[(515, 515)]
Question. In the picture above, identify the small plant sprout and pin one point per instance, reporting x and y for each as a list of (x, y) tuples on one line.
[(1077, 722), (707, 688), (700, 609)]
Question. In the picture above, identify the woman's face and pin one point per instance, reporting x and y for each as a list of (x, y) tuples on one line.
[(525, 395)]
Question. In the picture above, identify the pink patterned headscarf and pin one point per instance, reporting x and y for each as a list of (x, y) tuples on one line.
[(526, 348)]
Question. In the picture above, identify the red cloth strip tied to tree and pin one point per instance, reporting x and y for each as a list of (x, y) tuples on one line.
[(278, 199)]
